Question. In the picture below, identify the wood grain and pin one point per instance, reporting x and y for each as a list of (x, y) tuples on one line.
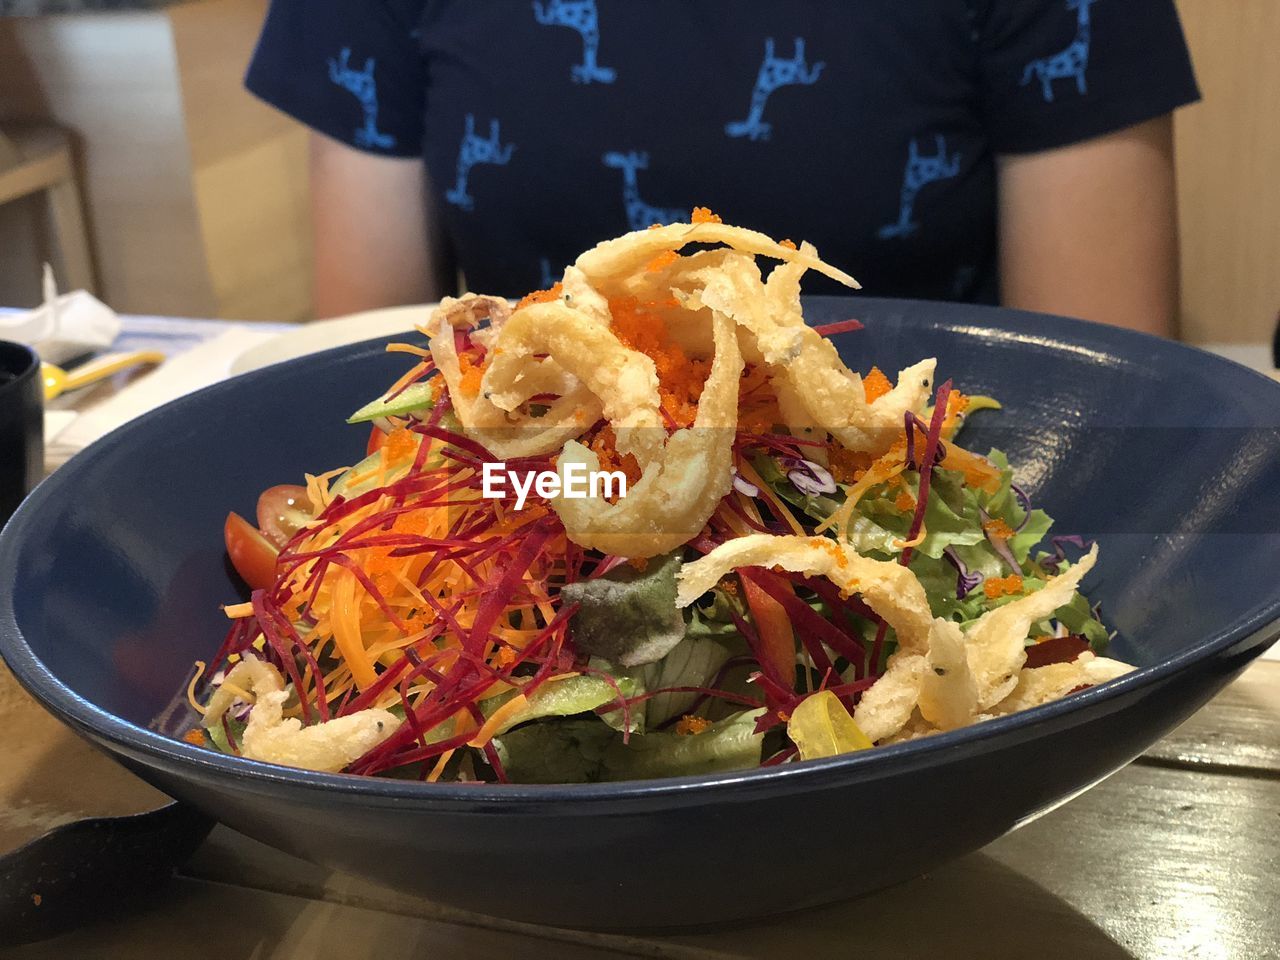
[(1163, 860), (1228, 156)]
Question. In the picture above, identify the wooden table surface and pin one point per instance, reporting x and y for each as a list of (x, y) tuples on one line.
[(1177, 855)]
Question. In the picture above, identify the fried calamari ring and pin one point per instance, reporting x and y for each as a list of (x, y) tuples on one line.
[(678, 490), (974, 671), (624, 380), (271, 737), (814, 387), (490, 425), (1040, 685), (607, 262), (888, 588)]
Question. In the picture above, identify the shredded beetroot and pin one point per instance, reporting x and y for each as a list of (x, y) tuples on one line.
[(1063, 649), (839, 326)]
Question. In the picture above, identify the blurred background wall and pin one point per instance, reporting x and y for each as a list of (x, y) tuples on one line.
[(195, 194)]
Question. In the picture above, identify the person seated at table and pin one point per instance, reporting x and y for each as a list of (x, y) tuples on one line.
[(1011, 151)]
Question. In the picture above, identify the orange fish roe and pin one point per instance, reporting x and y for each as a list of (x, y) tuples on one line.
[(995, 587), (640, 326), (639, 563), (506, 656), (729, 586), (757, 406), (998, 529), (662, 261), (655, 226), (846, 466), (905, 502), (399, 444), (605, 446), (703, 215), (194, 736), (542, 296), (783, 716), (875, 385), (689, 724), (472, 374), (789, 244)]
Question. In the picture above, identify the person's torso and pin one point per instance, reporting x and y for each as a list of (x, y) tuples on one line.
[(553, 124)]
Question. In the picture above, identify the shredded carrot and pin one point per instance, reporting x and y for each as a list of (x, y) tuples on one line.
[(191, 687), (500, 717), (409, 348), (779, 508), (979, 472)]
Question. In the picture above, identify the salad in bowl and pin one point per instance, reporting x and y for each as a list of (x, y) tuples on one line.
[(645, 523)]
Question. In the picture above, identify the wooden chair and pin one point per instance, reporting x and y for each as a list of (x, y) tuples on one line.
[(36, 158)]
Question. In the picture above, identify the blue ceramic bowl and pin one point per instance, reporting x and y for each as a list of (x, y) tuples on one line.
[(112, 572)]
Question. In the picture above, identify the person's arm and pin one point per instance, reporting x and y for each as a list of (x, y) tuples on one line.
[(370, 221), (1091, 230)]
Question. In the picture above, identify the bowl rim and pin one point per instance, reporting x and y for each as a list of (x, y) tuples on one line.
[(1252, 631)]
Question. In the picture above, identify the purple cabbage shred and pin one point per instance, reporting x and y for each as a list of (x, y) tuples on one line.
[(811, 479), (966, 582), (743, 486)]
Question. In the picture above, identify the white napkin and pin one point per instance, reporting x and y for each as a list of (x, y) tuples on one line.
[(64, 326), (199, 367)]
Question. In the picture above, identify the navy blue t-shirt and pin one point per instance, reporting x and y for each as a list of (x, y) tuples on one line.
[(868, 127)]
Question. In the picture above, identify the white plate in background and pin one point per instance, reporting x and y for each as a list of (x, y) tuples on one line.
[(320, 335)]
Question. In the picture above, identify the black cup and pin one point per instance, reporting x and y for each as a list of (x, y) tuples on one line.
[(21, 425)]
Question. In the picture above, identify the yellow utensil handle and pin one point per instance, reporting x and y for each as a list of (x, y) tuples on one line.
[(106, 365)]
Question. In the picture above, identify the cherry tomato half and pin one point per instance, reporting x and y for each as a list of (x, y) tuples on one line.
[(253, 556), (282, 511)]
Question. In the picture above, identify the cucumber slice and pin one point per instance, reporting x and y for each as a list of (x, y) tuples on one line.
[(417, 396)]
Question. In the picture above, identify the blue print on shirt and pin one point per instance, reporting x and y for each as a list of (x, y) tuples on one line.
[(639, 214), (1068, 63), (579, 15), (475, 150), (921, 171), (365, 88), (774, 73)]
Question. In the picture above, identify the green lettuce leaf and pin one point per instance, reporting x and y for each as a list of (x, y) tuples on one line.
[(628, 617), (692, 663), (561, 751), (729, 744), (563, 697)]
